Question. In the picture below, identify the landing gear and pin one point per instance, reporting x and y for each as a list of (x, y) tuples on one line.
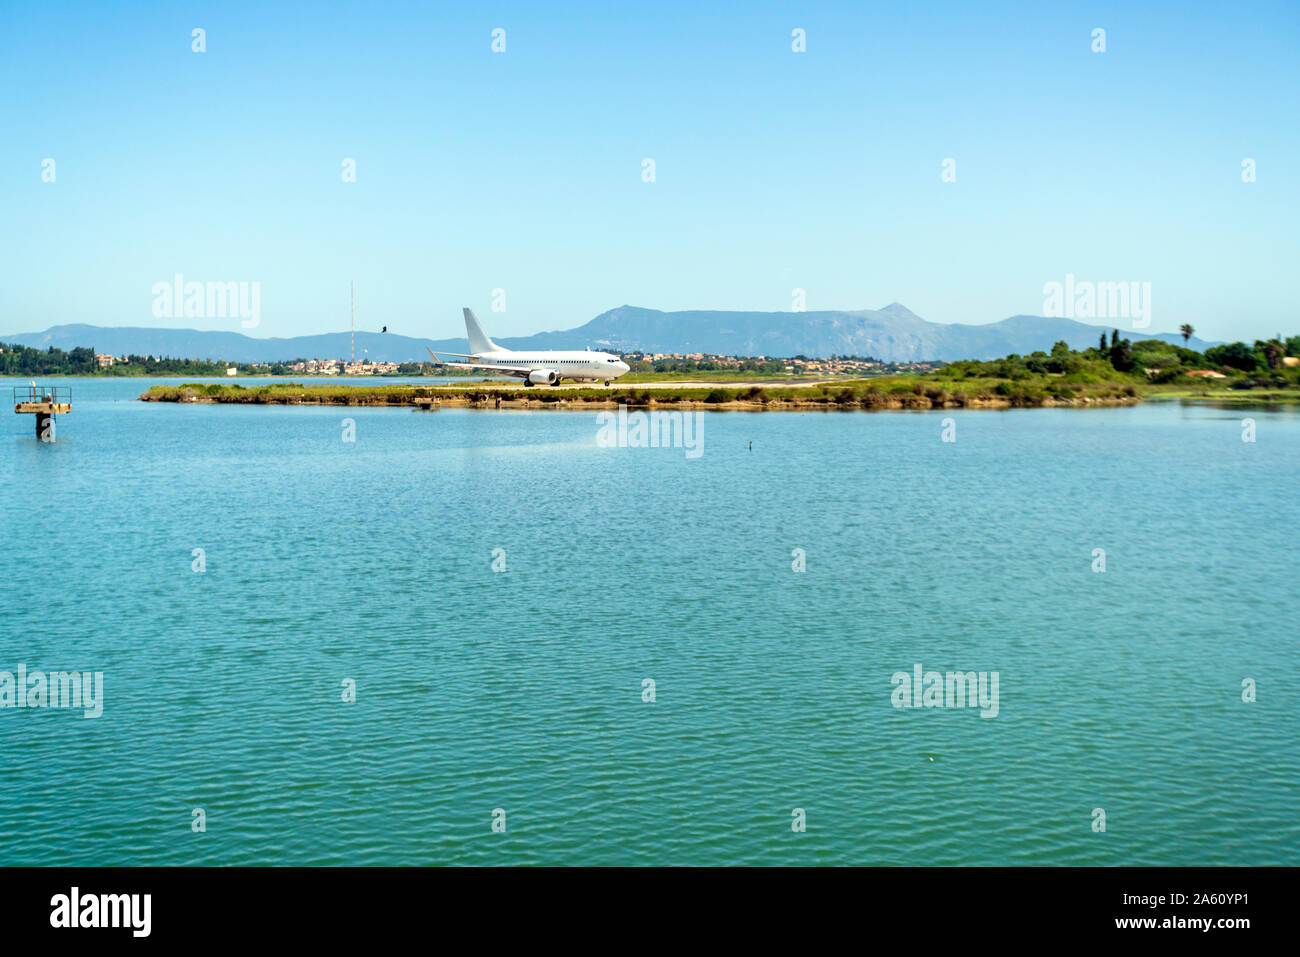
[(527, 383), (606, 383)]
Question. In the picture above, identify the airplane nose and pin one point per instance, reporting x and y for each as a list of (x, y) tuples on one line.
[(623, 367)]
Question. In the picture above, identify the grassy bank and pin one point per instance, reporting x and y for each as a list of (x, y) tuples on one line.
[(722, 375), (894, 392), (1226, 395)]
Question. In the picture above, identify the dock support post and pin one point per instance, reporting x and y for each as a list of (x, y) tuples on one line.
[(44, 426)]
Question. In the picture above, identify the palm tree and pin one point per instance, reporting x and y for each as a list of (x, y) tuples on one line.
[(1187, 330)]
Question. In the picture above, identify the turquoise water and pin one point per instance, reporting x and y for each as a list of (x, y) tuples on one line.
[(522, 690)]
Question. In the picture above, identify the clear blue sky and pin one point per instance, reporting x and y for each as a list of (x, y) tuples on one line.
[(522, 170)]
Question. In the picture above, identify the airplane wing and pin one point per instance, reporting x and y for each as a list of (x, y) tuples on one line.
[(510, 370)]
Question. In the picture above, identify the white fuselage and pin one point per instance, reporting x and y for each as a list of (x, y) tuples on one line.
[(593, 366)]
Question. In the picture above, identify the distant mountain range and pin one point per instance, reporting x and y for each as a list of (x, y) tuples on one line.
[(894, 334)]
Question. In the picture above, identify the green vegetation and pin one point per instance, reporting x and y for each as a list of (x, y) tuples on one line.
[(1148, 367), (876, 393), (702, 375), (18, 360), (748, 370), (1114, 371), (1116, 367), (646, 371)]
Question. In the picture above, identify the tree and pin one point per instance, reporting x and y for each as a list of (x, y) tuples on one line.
[(1102, 345), (1235, 355), (1273, 353), (1186, 329), (1114, 338), (1121, 355)]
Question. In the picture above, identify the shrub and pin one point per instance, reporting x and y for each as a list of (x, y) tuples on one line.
[(1235, 355)]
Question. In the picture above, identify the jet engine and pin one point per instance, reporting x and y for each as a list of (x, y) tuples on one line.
[(543, 377)]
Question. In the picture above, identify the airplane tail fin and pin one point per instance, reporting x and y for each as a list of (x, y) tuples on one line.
[(479, 343)]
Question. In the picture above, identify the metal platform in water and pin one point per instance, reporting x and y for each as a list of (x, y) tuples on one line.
[(45, 402)]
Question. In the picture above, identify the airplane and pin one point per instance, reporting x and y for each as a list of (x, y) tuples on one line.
[(535, 368)]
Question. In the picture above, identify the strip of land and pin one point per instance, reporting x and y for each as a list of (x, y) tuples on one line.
[(1121, 373), (916, 393)]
